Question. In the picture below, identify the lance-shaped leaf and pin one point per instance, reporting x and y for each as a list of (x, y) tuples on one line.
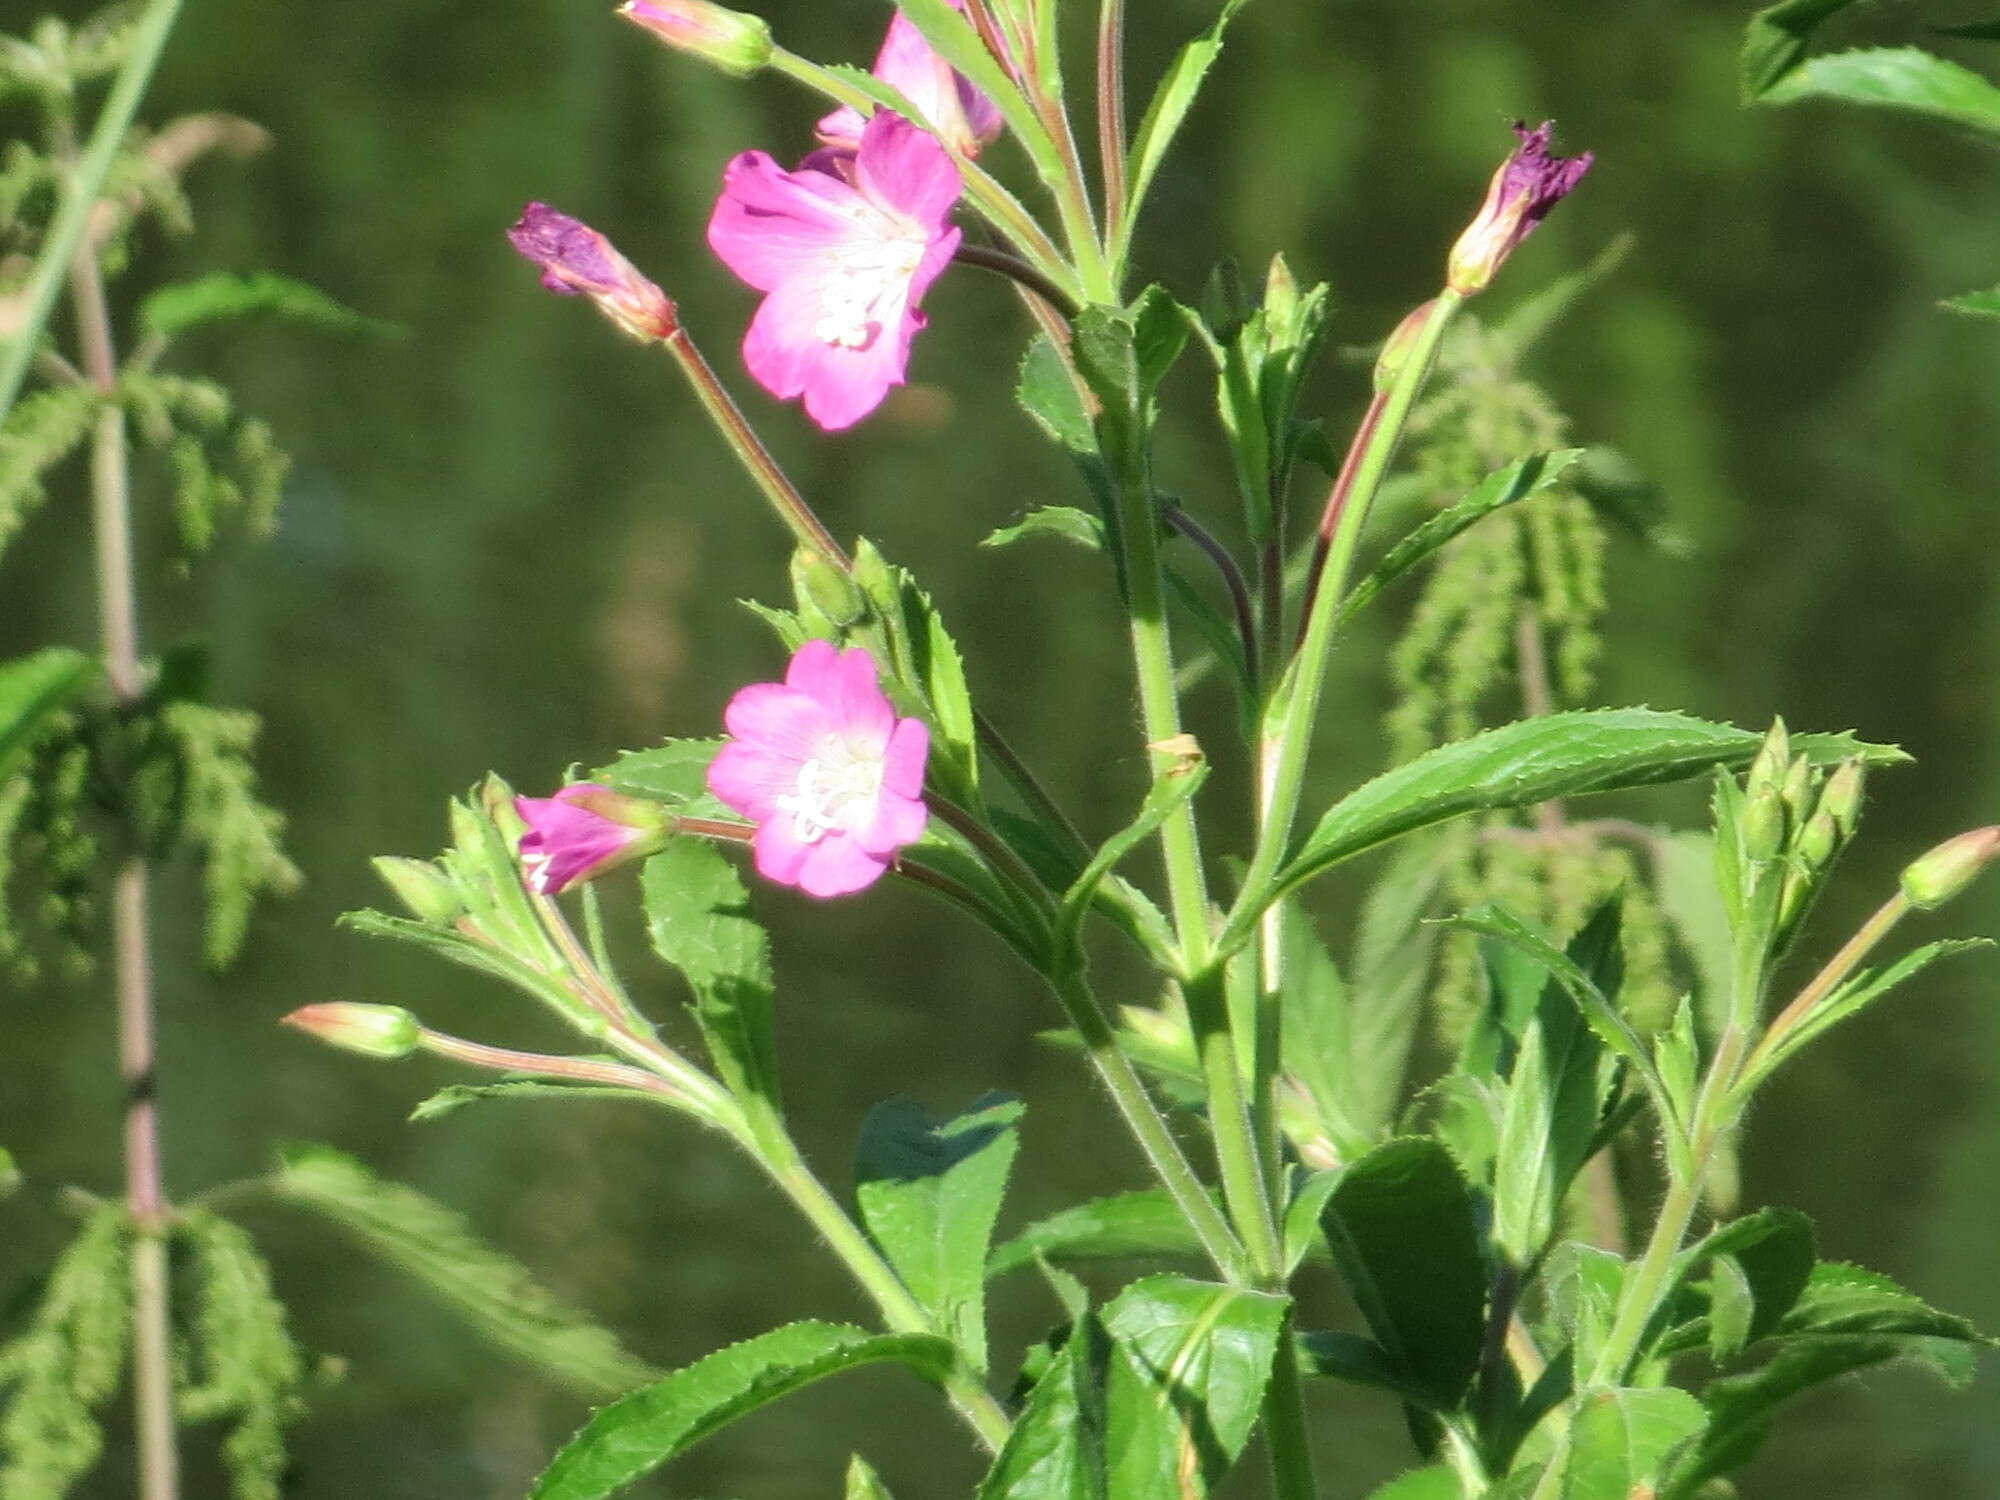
[(225, 296), (32, 688), (1502, 488), (930, 1195), (1402, 1230), (1905, 78), (1063, 521), (1162, 120), (1841, 1299), (1621, 1439), (1771, 1251), (639, 1432), (1142, 1223), (699, 916), (1554, 755), (1164, 798), (492, 1291)]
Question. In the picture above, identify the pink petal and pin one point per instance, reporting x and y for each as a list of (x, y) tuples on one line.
[(838, 866), (751, 779), (840, 385), (859, 707), (898, 821), (770, 225), (903, 760), (778, 720), (815, 670), (902, 167), (778, 854)]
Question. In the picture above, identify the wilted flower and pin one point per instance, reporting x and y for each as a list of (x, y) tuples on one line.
[(962, 117), (832, 778), (578, 261), (583, 831), (845, 248), (738, 44), (1528, 184)]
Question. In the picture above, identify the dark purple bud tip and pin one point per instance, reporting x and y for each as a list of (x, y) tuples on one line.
[(1546, 179), (1529, 183), (578, 261)]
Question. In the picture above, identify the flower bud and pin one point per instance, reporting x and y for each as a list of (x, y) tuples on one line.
[(1396, 348), (372, 1030), (1774, 759), (577, 261), (1818, 839), (1281, 301), (584, 831), (1763, 825), (825, 589), (422, 887), (1841, 800), (1528, 184), (736, 43), (1948, 869), (1798, 790)]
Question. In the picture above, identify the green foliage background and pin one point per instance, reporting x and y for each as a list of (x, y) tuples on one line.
[(509, 541)]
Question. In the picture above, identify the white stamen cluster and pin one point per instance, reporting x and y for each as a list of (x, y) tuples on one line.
[(866, 288), (836, 790)]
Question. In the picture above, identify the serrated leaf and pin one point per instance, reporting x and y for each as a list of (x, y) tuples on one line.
[(1984, 304), (1842, 1299), (929, 1195), (1393, 949), (1063, 521), (1323, 1064), (1554, 755), (1405, 1239), (675, 773), (224, 296), (1857, 994), (1516, 482), (699, 916), (1904, 78), (639, 1432), (1621, 1439), (492, 1291), (1048, 394), (1583, 1285), (1776, 39), (1057, 1448), (451, 1099), (1432, 1482), (33, 687), (1142, 1223)]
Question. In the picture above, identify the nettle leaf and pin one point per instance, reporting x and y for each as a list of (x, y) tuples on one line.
[(1554, 755), (1405, 1239), (1984, 304), (67, 1363), (1062, 521), (698, 913), (32, 688), (1776, 39), (1621, 1440), (224, 296), (1142, 1223), (639, 1432), (929, 1195), (675, 773), (1057, 1448), (1905, 78), (492, 1291), (1502, 488)]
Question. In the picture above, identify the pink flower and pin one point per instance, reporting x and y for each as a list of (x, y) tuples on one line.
[(845, 248), (579, 262), (832, 778), (1528, 184), (582, 832), (962, 117)]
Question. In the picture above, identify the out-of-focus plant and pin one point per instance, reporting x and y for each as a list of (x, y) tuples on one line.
[(114, 765), (1533, 1353)]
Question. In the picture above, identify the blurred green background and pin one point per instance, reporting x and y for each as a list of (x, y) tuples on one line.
[(510, 542)]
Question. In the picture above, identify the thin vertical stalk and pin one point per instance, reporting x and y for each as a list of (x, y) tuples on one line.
[(83, 183), (145, 1197), (1111, 106)]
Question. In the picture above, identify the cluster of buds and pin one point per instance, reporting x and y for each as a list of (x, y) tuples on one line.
[(1794, 822)]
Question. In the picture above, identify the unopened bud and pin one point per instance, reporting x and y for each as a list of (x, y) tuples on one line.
[(1818, 839), (422, 887), (1396, 348), (1774, 759), (577, 261), (821, 586), (1763, 825), (372, 1030), (584, 831), (1841, 800), (1798, 790), (1281, 299), (736, 43), (1948, 869), (1528, 184)]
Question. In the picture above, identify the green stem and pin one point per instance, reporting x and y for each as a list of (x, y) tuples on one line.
[(1111, 106), (1169, 1163), (1828, 979), (1287, 1439), (81, 190), (1298, 694), (1243, 1180)]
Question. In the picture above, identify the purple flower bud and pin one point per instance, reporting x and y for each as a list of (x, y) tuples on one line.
[(728, 39), (584, 831), (1528, 184), (578, 261), (372, 1030)]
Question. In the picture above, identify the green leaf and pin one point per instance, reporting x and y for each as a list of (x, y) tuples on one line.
[(1057, 1448), (1321, 1065), (639, 1432), (224, 296), (1554, 755), (1048, 393), (492, 1291), (31, 689), (1356, 1360), (1772, 1250), (1776, 40), (1432, 1482), (1843, 1299), (1894, 78), (1167, 795), (1206, 1352), (698, 913), (960, 45), (1063, 521), (930, 1195), (675, 773), (1142, 1223), (1393, 949), (1583, 1285), (863, 1483), (1162, 121), (1502, 488), (1405, 1238), (1857, 994), (454, 1097), (1984, 304), (1621, 1439)]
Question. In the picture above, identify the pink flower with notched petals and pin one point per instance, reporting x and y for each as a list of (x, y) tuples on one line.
[(582, 832), (821, 764), (962, 117), (844, 249)]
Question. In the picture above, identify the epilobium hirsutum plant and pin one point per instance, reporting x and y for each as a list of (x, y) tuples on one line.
[(1536, 1349)]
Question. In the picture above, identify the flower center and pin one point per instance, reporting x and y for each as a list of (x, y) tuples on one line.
[(836, 791), (866, 288)]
